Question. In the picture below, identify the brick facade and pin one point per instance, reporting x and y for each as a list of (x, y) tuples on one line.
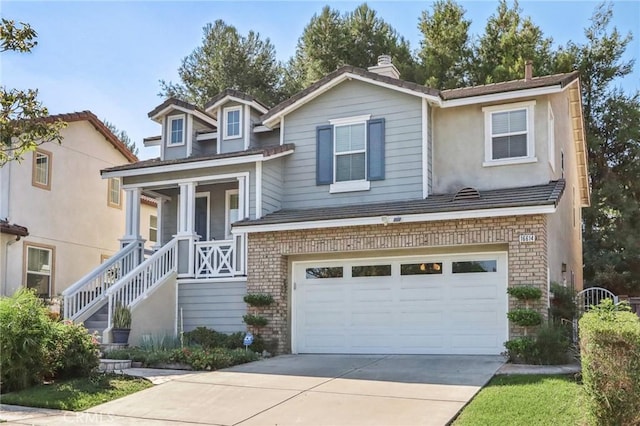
[(268, 255)]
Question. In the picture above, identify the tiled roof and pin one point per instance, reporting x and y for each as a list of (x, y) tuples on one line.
[(539, 195), (236, 94), (156, 162), (509, 86), (177, 102), (13, 229), (99, 126)]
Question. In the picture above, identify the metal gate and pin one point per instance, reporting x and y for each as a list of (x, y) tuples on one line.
[(592, 296)]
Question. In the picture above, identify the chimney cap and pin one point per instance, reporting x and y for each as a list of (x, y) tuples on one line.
[(384, 60)]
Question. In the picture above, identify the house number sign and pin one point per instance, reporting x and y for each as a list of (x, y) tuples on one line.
[(527, 238)]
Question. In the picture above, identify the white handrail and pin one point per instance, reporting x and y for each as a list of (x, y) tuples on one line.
[(134, 286), (219, 258), (87, 292)]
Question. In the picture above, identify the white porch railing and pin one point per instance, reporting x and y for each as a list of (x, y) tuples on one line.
[(219, 258), (135, 286), (90, 290)]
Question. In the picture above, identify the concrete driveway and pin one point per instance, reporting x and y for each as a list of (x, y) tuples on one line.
[(312, 390)]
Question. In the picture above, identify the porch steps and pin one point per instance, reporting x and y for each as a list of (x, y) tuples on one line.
[(111, 365), (98, 321)]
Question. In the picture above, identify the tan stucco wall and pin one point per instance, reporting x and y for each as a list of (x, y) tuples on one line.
[(565, 230), (73, 215), (146, 211), (459, 151), (155, 316), (269, 255)]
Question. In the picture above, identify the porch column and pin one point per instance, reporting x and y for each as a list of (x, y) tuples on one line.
[(186, 229), (159, 227), (132, 222)]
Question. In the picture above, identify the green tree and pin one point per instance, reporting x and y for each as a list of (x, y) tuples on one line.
[(123, 136), (445, 51), (509, 40), (227, 59), (23, 123), (612, 121)]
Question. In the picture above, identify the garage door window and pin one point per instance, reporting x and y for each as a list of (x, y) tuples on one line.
[(327, 272), (426, 268), (473, 266), (371, 271)]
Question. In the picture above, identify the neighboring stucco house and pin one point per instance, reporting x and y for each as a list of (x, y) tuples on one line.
[(70, 217), (383, 216)]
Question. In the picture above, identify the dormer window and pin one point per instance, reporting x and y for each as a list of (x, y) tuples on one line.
[(176, 131), (233, 122)]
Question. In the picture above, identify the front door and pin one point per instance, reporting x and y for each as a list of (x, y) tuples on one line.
[(202, 216)]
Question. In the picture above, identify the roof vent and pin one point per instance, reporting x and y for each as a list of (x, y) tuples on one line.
[(385, 67), (466, 194)]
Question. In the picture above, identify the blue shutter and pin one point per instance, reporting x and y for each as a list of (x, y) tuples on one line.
[(324, 155), (375, 149)]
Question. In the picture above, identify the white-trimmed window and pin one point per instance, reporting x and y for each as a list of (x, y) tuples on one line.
[(509, 136), (176, 131), (39, 269), (153, 228), (350, 154), (41, 176), (233, 122), (232, 210), (114, 194), (551, 139)]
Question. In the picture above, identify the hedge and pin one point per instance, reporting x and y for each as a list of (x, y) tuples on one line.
[(610, 349)]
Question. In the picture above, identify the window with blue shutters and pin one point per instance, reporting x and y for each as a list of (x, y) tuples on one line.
[(350, 153)]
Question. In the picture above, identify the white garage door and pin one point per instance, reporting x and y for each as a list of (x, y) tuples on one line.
[(449, 304)]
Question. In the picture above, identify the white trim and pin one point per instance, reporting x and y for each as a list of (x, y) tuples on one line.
[(207, 136), (192, 165), (170, 120), (282, 131), (339, 79), (247, 127), (382, 220), (228, 98), (258, 189), (504, 96), (201, 116), (425, 148), (349, 186), (225, 122), (219, 142), (152, 141), (206, 195), (189, 134), (227, 201), (528, 107), (551, 138), (210, 280), (174, 182), (262, 129), (350, 120)]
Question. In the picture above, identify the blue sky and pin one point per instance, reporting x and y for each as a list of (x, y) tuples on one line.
[(107, 57)]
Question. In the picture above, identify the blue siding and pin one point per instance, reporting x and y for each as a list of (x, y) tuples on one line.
[(271, 186), (403, 150), (217, 305)]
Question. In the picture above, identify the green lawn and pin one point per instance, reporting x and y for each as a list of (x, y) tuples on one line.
[(77, 394), (526, 400)]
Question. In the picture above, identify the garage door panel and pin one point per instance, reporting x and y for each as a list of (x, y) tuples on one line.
[(431, 311)]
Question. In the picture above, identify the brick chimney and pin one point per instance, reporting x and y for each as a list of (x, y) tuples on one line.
[(385, 67), (528, 70)]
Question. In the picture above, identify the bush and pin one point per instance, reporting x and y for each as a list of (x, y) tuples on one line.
[(552, 344), (610, 350), (525, 292), (521, 350), (24, 326), (71, 351), (254, 320), (563, 303), (257, 299), (525, 317)]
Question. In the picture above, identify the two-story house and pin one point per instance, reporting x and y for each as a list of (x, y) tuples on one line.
[(58, 217), (383, 216)]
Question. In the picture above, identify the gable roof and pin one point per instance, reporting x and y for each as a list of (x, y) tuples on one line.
[(174, 103), (235, 95), (99, 126), (522, 197)]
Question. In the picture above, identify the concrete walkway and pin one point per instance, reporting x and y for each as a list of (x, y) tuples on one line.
[(305, 390)]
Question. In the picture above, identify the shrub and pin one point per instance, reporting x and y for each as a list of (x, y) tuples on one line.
[(610, 353), (121, 317), (24, 325), (521, 350), (552, 344), (71, 351), (257, 299), (525, 317), (254, 320), (525, 292), (563, 303)]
